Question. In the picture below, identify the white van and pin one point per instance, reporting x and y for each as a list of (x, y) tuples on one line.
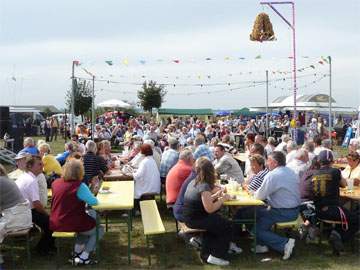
[(61, 116)]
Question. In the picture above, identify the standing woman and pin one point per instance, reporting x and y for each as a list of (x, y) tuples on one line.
[(68, 212), (201, 202)]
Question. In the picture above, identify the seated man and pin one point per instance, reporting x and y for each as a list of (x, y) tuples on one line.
[(169, 158), (28, 185), (300, 162), (29, 146), (202, 150), (178, 174), (326, 182), (225, 164), (281, 190)]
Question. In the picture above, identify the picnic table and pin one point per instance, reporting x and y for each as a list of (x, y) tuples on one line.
[(117, 175), (241, 157), (242, 198), (353, 196), (120, 196)]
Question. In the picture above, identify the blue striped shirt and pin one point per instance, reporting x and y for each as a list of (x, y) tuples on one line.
[(257, 180)]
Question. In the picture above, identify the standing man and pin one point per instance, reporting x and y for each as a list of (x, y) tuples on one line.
[(54, 123), (282, 191), (28, 185)]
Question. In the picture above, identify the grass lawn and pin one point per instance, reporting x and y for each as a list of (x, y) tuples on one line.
[(180, 256), (177, 254)]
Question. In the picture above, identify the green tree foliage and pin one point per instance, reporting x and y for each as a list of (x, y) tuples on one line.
[(151, 96), (83, 97)]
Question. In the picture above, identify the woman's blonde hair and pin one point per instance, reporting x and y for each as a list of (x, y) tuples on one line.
[(45, 146), (205, 172), (73, 170), (259, 159)]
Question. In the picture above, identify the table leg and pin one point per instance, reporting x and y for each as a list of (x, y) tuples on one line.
[(97, 237), (254, 230), (129, 223)]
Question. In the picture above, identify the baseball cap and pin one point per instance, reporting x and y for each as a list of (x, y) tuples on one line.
[(21, 155), (326, 156)]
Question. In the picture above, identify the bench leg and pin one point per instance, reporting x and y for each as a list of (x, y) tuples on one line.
[(28, 247), (129, 223), (148, 249), (57, 253), (106, 221)]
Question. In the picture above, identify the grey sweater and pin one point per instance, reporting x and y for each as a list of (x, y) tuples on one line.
[(9, 193)]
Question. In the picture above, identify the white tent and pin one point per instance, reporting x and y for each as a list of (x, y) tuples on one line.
[(114, 103)]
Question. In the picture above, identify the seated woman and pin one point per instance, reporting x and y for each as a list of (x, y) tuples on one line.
[(104, 150), (52, 168), (352, 170), (257, 164), (15, 213), (68, 211), (147, 176), (201, 202)]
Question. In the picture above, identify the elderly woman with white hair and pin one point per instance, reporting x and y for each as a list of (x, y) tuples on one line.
[(51, 165), (29, 146), (354, 145)]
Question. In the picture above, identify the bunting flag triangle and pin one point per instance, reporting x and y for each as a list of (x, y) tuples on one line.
[(258, 57), (76, 62), (143, 62), (208, 59), (13, 78), (176, 61), (126, 61), (321, 62), (109, 62), (312, 66), (227, 58), (325, 59)]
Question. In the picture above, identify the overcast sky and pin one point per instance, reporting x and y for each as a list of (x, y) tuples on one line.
[(40, 39)]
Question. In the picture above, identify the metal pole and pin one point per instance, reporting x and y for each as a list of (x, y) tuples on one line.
[(330, 98), (294, 59), (267, 105), (93, 108), (72, 129)]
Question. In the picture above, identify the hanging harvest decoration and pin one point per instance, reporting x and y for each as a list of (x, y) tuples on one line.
[(262, 30)]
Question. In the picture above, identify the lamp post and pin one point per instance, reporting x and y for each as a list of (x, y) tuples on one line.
[(330, 98)]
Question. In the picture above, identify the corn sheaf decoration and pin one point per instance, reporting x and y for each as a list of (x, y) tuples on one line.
[(262, 30)]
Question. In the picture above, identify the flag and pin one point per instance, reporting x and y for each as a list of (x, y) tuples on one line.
[(258, 57), (208, 58), (76, 62), (126, 61), (176, 61), (227, 58), (142, 62), (326, 60), (109, 62), (13, 78), (321, 62), (242, 58), (312, 66)]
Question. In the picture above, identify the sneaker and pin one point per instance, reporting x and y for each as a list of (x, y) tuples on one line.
[(234, 249), (195, 241), (303, 231), (289, 246), (260, 249), (80, 261), (336, 242), (217, 261)]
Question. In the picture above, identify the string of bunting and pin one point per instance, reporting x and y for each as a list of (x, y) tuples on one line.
[(200, 84), (321, 61), (252, 85)]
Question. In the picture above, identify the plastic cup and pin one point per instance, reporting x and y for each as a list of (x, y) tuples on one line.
[(350, 184)]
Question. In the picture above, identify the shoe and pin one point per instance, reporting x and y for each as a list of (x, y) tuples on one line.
[(217, 261), (260, 249), (234, 249), (336, 242), (195, 241), (80, 261), (303, 231), (289, 246)]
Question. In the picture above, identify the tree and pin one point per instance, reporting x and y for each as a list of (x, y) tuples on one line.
[(151, 96), (83, 98)]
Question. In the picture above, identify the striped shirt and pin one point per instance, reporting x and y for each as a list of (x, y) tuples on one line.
[(257, 180)]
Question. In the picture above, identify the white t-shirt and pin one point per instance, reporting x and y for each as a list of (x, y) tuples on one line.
[(29, 188), (147, 178), (42, 189)]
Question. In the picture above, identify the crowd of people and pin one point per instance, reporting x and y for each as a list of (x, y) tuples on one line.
[(290, 170)]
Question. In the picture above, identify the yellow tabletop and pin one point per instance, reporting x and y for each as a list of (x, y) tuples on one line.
[(243, 199), (339, 165), (119, 197), (117, 175), (241, 156), (354, 195), (49, 192)]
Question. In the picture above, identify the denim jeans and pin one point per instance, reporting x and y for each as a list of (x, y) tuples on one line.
[(265, 219)]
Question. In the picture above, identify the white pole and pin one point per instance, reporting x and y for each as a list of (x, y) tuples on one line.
[(267, 105), (330, 98)]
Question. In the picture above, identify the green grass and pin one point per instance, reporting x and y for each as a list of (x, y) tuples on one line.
[(178, 255)]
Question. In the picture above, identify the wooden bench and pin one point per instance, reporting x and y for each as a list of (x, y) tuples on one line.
[(288, 226), (58, 236), (152, 223), (18, 234)]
